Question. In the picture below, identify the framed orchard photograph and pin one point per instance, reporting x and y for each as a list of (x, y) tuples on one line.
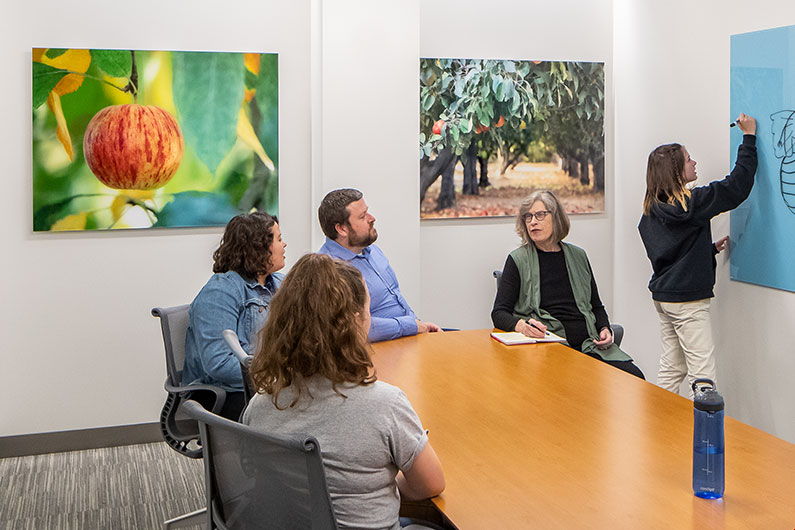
[(493, 131), (147, 139)]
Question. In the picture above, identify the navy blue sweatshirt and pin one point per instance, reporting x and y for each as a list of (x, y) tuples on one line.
[(679, 243)]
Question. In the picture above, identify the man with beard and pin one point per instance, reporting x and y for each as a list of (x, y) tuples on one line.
[(350, 235)]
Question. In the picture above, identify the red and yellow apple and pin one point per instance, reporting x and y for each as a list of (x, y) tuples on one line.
[(133, 147)]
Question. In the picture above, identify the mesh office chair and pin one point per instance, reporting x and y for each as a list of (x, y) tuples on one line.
[(179, 431), (244, 358), (618, 329), (255, 480)]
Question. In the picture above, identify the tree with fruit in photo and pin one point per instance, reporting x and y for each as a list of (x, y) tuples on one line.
[(511, 127)]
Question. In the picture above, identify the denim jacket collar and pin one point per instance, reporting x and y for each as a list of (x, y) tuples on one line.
[(270, 283)]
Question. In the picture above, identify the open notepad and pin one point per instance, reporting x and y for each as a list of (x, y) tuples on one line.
[(514, 337)]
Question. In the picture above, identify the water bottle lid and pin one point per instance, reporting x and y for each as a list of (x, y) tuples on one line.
[(706, 396)]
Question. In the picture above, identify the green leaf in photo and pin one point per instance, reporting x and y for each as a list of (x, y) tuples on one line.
[(208, 90), (250, 79), (54, 53), (47, 215), (115, 63), (428, 101), (196, 208), (267, 98), (45, 78)]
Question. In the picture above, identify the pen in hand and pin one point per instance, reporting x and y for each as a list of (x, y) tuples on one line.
[(546, 333)]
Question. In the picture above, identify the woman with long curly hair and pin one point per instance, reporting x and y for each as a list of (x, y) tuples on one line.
[(314, 375), (236, 297)]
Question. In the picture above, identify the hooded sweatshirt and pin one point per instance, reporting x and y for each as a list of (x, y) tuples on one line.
[(678, 241)]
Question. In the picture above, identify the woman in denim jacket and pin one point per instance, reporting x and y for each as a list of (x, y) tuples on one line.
[(236, 297)]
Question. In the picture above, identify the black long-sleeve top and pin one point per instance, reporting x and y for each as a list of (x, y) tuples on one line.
[(557, 298), (679, 242)]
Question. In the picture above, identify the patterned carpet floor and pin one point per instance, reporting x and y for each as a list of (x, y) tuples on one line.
[(116, 488)]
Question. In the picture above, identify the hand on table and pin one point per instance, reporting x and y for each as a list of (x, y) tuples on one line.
[(427, 327), (605, 339), (537, 330)]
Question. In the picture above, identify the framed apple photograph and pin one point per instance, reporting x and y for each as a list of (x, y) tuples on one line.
[(149, 139), (492, 131)]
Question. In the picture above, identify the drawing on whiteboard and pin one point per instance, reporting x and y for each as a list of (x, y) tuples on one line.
[(783, 129), (763, 227)]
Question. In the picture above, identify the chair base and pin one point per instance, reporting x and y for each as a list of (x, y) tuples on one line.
[(189, 519)]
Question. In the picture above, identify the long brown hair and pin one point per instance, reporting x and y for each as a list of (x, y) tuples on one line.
[(314, 328), (665, 177), (246, 245)]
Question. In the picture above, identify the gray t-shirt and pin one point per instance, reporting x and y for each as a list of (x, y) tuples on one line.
[(364, 439)]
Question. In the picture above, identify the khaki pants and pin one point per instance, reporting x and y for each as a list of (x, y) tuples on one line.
[(688, 349)]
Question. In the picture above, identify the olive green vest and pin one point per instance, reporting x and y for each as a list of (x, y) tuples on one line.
[(526, 259)]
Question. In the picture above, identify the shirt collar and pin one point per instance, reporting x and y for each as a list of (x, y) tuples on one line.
[(336, 250)]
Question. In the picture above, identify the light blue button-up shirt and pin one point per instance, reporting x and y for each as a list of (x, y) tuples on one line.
[(391, 316), (227, 301)]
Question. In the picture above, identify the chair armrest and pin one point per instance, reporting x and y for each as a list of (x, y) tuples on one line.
[(231, 339), (220, 393)]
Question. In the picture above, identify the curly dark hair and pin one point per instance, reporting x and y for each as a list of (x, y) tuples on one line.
[(314, 327), (333, 210), (246, 245)]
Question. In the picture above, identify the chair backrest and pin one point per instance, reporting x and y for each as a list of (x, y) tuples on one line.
[(497, 276), (174, 325), (618, 333), (258, 480)]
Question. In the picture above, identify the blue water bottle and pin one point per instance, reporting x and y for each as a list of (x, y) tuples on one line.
[(708, 442)]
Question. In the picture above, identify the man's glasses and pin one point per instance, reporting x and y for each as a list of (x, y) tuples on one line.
[(539, 215)]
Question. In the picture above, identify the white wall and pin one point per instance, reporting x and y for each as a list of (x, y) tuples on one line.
[(79, 346), (672, 84), (458, 257), (370, 119)]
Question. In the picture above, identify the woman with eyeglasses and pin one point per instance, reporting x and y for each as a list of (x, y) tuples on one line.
[(547, 284)]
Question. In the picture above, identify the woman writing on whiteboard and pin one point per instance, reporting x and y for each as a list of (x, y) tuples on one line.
[(549, 284), (675, 229)]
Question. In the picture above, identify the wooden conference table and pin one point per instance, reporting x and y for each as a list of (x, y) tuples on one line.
[(542, 436)]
